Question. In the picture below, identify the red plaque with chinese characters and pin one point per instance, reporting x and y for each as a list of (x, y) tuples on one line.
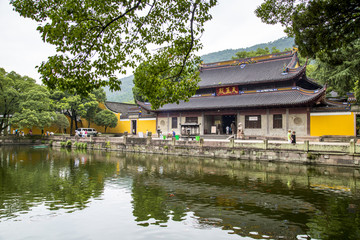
[(221, 91)]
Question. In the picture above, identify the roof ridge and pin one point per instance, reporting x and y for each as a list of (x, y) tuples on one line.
[(236, 62)]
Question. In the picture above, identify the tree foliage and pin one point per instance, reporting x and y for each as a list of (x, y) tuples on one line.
[(341, 71), (76, 106), (164, 78), (13, 89), (91, 104), (96, 40), (61, 122), (35, 110), (258, 52), (106, 119), (325, 30), (318, 25)]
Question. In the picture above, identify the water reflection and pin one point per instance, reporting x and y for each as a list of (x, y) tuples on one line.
[(248, 199), (57, 179)]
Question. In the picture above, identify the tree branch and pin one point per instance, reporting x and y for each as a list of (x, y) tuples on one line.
[(109, 23), (177, 76)]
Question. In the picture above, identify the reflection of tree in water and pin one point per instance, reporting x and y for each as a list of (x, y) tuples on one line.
[(152, 201), (250, 199), (340, 219), (29, 179)]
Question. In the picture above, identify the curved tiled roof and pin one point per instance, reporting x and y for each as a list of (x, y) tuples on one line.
[(293, 97), (127, 109), (122, 108), (268, 70)]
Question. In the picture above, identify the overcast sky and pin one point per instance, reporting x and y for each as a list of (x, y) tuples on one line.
[(234, 25)]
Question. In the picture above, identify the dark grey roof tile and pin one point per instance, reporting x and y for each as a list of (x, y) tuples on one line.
[(248, 100), (260, 72)]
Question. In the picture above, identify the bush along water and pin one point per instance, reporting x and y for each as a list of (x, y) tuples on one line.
[(68, 143), (108, 145), (80, 145)]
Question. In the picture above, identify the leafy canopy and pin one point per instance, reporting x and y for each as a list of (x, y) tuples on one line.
[(325, 30), (106, 119), (318, 25), (12, 90), (61, 122), (164, 79), (96, 40), (76, 106), (35, 109), (258, 52), (341, 72)]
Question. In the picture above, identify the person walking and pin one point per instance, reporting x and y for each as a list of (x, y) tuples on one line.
[(240, 133), (293, 137), (233, 128), (289, 136)]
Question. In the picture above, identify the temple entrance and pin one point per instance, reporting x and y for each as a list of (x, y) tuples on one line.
[(216, 124), (226, 121), (133, 127)]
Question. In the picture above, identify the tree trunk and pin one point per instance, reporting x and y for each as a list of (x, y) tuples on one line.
[(76, 125), (71, 125)]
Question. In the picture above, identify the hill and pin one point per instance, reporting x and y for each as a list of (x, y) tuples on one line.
[(224, 55), (126, 95)]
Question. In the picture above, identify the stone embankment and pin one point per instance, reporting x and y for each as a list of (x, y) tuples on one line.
[(324, 153)]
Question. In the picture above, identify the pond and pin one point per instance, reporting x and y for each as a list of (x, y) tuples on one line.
[(61, 194)]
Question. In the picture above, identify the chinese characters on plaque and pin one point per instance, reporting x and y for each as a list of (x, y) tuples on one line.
[(227, 91)]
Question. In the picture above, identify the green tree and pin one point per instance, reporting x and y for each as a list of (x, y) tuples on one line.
[(96, 40), (341, 71), (106, 119), (13, 87), (164, 79), (275, 50), (327, 31), (258, 52), (138, 96), (70, 105), (35, 109), (76, 106), (61, 122), (318, 25), (91, 104)]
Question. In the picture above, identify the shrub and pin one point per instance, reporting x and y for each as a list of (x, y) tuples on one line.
[(107, 145), (68, 143), (62, 144), (79, 145), (311, 156)]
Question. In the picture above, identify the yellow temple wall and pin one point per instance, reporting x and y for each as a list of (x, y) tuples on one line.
[(147, 125), (332, 123), (125, 125)]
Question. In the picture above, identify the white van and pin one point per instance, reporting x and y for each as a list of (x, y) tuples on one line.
[(89, 131)]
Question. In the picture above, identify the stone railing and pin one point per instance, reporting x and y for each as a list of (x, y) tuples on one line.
[(347, 154)]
